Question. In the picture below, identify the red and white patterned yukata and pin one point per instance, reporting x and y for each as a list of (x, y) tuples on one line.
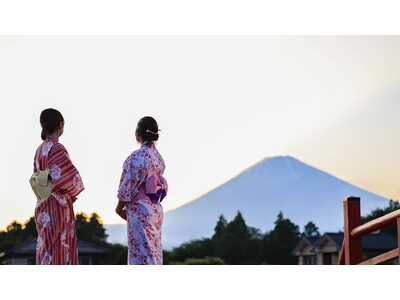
[(54, 217), (142, 188)]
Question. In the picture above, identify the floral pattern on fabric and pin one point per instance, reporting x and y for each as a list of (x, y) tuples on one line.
[(54, 217), (43, 219), (144, 218), (46, 148), (55, 172), (144, 233), (135, 170), (77, 182), (47, 259)]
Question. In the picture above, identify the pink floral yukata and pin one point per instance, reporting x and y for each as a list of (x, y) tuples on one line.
[(142, 187), (54, 217)]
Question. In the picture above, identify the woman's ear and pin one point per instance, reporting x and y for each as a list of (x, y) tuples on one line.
[(137, 135), (61, 128)]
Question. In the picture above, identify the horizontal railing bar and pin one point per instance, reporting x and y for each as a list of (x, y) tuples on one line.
[(376, 224), (381, 258)]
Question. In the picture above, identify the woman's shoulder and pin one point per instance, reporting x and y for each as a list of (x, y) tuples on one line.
[(50, 146), (57, 147), (138, 157), (50, 142), (141, 152)]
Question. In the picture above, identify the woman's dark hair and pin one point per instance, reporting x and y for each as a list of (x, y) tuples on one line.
[(147, 128), (50, 120)]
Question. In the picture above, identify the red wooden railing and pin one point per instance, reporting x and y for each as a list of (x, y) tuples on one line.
[(351, 252)]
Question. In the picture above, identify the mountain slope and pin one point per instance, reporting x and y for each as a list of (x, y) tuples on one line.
[(303, 193)]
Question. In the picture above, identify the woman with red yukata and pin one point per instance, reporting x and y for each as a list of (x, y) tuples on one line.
[(142, 188), (54, 217)]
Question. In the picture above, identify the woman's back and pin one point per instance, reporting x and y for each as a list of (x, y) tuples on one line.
[(142, 188)]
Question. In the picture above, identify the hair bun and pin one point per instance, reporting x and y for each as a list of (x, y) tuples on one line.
[(151, 135), (50, 120), (147, 129)]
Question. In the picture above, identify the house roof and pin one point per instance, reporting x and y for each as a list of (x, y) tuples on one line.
[(377, 241), (309, 241), (313, 239), (29, 248), (85, 247), (373, 241), (336, 237)]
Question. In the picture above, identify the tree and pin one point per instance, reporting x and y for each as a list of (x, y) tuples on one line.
[(90, 228), (12, 236), (232, 243), (120, 255), (220, 228), (277, 244), (98, 231), (236, 240), (194, 249), (379, 212), (219, 235), (29, 230), (204, 261), (14, 227), (311, 230)]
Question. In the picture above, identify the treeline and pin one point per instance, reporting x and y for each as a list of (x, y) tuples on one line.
[(233, 243), (236, 243), (379, 212), (88, 228)]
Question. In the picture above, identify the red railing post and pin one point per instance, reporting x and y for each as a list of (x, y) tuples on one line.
[(398, 237), (352, 219)]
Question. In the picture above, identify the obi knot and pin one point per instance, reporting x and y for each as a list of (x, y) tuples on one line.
[(156, 188)]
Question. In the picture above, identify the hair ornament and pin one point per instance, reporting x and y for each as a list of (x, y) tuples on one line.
[(149, 131)]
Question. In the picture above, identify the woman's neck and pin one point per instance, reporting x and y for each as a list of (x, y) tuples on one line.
[(54, 136), (147, 143)]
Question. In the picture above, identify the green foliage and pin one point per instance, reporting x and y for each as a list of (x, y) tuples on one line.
[(194, 249), (235, 243), (120, 255), (17, 233), (379, 212), (238, 244), (231, 243), (310, 230), (278, 243), (90, 228), (220, 228), (204, 261), (167, 257)]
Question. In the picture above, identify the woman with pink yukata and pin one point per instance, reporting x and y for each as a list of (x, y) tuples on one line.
[(142, 188), (54, 217)]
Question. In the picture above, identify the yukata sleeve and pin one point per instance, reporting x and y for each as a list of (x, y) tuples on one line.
[(35, 169), (66, 179), (133, 175)]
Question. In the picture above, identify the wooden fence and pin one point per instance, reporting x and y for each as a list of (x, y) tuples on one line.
[(351, 252)]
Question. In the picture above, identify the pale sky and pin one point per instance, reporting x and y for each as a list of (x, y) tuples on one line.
[(222, 102)]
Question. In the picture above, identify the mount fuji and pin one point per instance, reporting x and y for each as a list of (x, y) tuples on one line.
[(278, 184)]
